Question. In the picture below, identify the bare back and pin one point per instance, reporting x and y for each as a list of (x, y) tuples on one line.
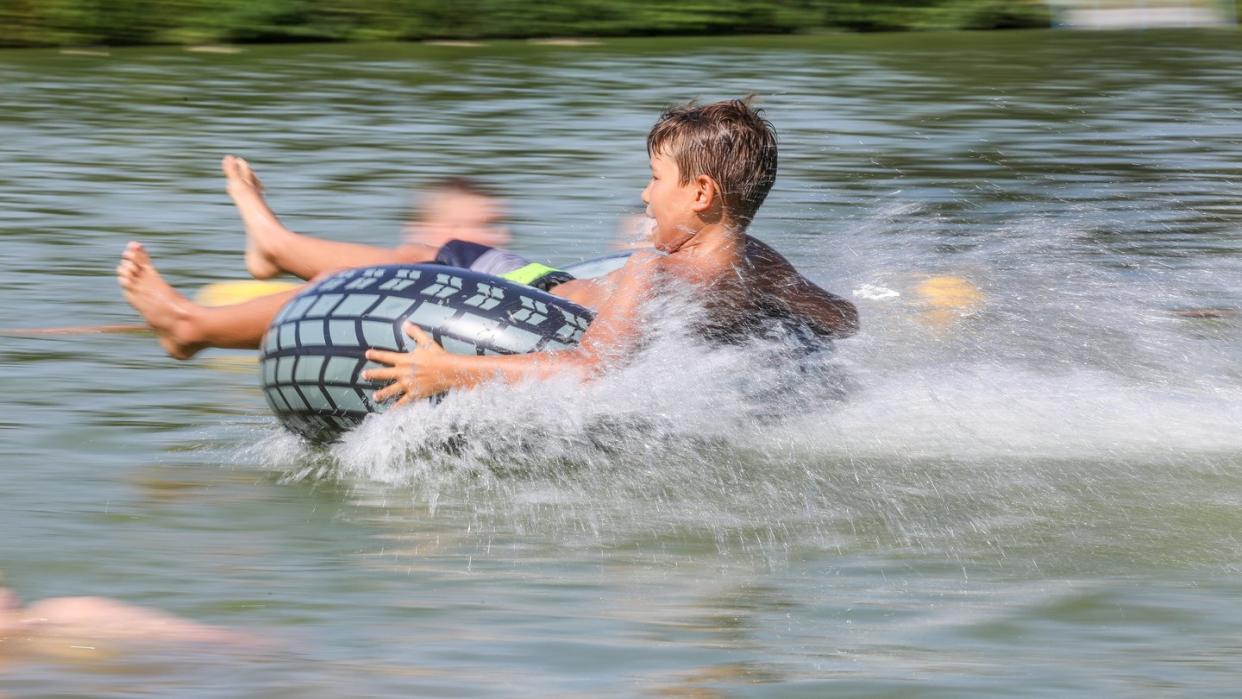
[(749, 291)]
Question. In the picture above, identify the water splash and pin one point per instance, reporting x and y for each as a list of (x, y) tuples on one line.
[(1034, 348), (1058, 398)]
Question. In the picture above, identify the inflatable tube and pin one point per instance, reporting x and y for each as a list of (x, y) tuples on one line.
[(312, 354)]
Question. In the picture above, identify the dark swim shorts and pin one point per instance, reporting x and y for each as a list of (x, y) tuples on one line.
[(500, 263)]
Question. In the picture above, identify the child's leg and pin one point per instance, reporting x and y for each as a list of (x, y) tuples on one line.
[(100, 617), (184, 327), (271, 248)]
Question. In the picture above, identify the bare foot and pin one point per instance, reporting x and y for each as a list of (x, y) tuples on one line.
[(264, 232), (168, 313)]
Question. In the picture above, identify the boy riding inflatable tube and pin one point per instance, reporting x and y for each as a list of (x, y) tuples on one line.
[(313, 353)]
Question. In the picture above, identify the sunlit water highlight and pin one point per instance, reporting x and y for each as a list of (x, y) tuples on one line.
[(1032, 490)]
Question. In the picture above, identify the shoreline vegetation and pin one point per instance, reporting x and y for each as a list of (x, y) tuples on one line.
[(78, 23)]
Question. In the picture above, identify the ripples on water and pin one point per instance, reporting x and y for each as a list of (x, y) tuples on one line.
[(1043, 486)]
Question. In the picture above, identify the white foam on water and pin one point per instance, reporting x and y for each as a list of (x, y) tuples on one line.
[(680, 404), (999, 411)]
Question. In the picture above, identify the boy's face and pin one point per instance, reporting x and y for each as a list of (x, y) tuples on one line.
[(671, 204), (460, 216)]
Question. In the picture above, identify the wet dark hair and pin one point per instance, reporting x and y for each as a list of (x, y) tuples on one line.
[(729, 142)]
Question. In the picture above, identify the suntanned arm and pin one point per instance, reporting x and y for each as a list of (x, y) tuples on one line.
[(428, 370)]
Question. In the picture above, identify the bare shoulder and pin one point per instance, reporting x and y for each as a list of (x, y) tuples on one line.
[(628, 286), (640, 270), (596, 292), (646, 259)]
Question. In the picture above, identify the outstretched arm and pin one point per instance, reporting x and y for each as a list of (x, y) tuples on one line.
[(428, 370)]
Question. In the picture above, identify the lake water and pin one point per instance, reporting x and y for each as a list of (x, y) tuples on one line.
[(1039, 497)]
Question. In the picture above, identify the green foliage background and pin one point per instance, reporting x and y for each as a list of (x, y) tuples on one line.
[(123, 22)]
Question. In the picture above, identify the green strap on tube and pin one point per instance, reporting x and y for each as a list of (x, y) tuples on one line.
[(529, 274)]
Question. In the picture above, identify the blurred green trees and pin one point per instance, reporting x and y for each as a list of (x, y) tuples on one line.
[(118, 22)]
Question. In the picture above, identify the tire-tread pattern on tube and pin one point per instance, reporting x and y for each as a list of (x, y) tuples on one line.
[(313, 353)]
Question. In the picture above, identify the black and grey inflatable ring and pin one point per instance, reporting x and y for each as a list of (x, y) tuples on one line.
[(313, 352)]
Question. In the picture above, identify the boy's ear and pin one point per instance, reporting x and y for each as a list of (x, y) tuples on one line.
[(707, 193)]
